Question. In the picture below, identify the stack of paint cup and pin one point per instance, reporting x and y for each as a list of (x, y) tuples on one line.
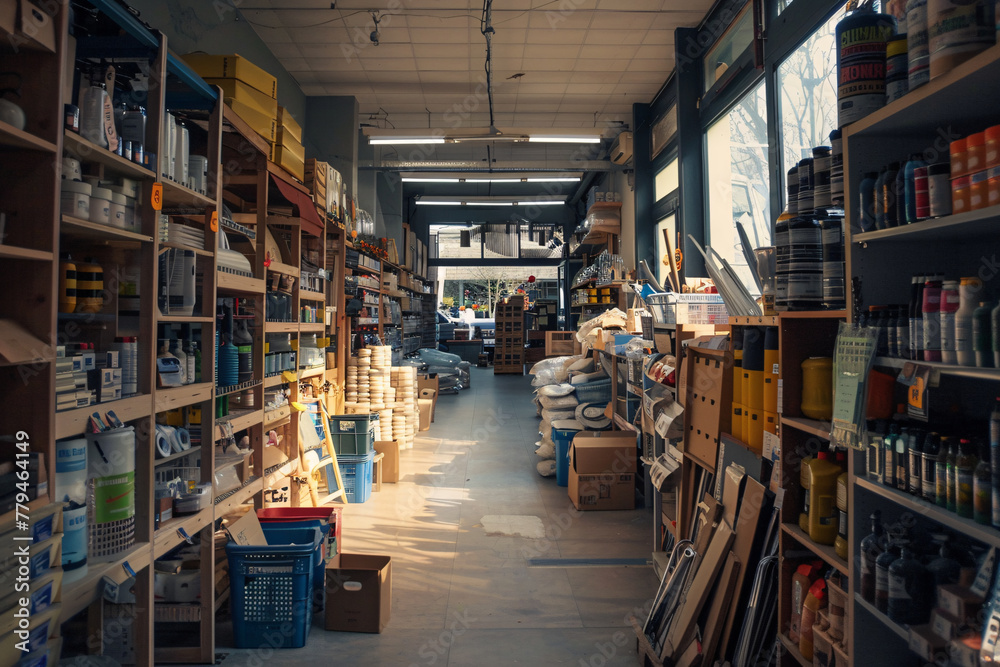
[(406, 414), (738, 407), (753, 387), (771, 375)]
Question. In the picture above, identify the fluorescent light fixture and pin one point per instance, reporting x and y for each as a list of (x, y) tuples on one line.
[(492, 180), (572, 179), (421, 202), (409, 179), (484, 201), (405, 140), (564, 138)]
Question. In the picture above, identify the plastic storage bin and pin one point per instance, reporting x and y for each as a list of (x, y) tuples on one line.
[(562, 437), (356, 472), (329, 519), (353, 435), (670, 308), (271, 593), (300, 532)]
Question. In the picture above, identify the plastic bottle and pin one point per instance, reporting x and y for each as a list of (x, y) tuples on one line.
[(909, 589), (915, 449), (928, 477), (804, 577), (965, 470), (823, 475), (902, 443), (192, 373), (968, 291), (872, 546), (953, 452), (949, 308), (917, 335), (880, 198), (891, 317), (982, 488), (177, 351), (942, 476), (890, 196), (867, 202), (995, 460), (910, 191), (882, 563), (995, 330), (197, 362), (982, 338), (932, 319), (889, 449), (840, 544), (899, 191), (814, 602)]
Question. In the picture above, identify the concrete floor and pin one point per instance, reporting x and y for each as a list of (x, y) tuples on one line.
[(462, 597)]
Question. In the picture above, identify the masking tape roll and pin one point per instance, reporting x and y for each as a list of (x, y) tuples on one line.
[(162, 443), (183, 438)]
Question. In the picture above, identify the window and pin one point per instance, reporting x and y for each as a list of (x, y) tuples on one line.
[(727, 50), (666, 180), (668, 225), (737, 181), (664, 130), (807, 95), (501, 240)]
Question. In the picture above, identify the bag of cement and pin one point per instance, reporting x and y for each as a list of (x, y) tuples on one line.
[(558, 402), (538, 406), (584, 378), (555, 390), (584, 365), (546, 468), (609, 319), (545, 451)]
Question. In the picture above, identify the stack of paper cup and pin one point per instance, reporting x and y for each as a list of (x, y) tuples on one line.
[(404, 427)]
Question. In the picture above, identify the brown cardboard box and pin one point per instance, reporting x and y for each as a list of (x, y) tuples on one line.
[(264, 125), (359, 593), (233, 67), (246, 531), (390, 460), (925, 643), (602, 470), (245, 94), (291, 127), (293, 146), (430, 395), (959, 601), (24, 22), (292, 164)]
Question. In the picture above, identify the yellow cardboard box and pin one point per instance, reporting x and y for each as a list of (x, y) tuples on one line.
[(292, 164), (264, 125), (291, 145), (286, 121), (232, 66), (241, 92)]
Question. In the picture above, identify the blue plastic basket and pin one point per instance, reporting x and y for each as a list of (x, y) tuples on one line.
[(271, 592), (357, 473), (353, 435), (562, 437), (300, 533)]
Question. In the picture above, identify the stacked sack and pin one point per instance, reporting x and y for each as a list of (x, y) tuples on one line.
[(406, 413), (559, 404)]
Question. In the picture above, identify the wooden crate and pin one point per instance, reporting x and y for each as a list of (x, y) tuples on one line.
[(561, 344), (509, 370)]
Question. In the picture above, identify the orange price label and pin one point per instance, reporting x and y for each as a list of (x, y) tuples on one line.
[(214, 222), (156, 197), (916, 393)]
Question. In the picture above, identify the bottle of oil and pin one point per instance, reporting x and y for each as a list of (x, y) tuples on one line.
[(909, 589), (882, 563), (814, 602), (928, 479), (804, 483), (840, 543), (941, 473), (902, 443), (965, 470), (872, 547), (916, 454), (802, 580), (953, 450), (823, 475), (982, 488), (889, 448)]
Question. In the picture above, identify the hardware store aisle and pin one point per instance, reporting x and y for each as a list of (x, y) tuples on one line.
[(462, 596)]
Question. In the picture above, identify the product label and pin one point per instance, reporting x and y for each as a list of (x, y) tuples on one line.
[(867, 563), (916, 465), (959, 26), (874, 458), (842, 524), (964, 489), (805, 501), (928, 482), (897, 588), (881, 578), (890, 467)]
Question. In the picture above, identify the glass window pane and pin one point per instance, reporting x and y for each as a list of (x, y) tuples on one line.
[(730, 46), (737, 166), (447, 240), (668, 224), (807, 95), (666, 180)]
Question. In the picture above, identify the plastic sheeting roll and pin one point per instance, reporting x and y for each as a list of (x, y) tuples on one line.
[(183, 439), (163, 447)]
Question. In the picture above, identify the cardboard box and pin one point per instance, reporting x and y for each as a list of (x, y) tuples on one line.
[(264, 125), (246, 531), (430, 395), (291, 162), (602, 470), (925, 643), (945, 625), (244, 94), (232, 67), (291, 127), (390, 460), (359, 593), (964, 652), (28, 26), (292, 146), (959, 601)]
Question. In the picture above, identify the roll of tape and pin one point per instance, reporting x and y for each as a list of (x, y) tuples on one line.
[(183, 438), (162, 443)]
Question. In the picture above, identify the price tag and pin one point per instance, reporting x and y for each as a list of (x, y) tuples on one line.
[(916, 393), (214, 222), (156, 197)]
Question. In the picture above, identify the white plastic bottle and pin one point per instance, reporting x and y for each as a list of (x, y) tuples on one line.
[(968, 301)]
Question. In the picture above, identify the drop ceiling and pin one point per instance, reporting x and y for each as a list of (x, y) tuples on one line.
[(583, 63)]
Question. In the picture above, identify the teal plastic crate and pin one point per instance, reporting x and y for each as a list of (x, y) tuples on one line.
[(353, 435)]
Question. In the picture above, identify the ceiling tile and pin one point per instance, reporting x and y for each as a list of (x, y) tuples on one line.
[(560, 20), (292, 64), (594, 77), (314, 51), (543, 53), (659, 37), (540, 88), (442, 76), (507, 35), (391, 76), (640, 65), (643, 77), (283, 51), (655, 52), (335, 64), (601, 65), (441, 50), (433, 35), (600, 89), (538, 36), (450, 21), (504, 20), (676, 19), (386, 51), (605, 52), (599, 35), (633, 5), (440, 64)]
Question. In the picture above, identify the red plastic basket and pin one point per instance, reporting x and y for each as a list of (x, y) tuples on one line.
[(331, 516)]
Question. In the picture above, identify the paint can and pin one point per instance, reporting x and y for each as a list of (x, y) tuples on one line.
[(958, 30), (861, 40)]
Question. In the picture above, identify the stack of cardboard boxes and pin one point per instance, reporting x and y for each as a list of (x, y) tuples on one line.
[(326, 185), (288, 151)]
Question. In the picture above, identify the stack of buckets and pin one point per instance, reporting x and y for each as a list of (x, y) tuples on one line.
[(755, 384)]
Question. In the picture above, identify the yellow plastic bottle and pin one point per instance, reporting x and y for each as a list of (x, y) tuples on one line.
[(823, 474), (815, 601), (840, 544), (804, 483)]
